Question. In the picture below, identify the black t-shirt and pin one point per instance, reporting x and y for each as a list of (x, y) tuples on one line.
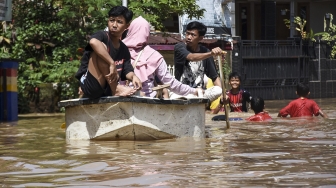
[(192, 73), (121, 56)]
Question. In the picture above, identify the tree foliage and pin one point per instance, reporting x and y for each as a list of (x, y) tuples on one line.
[(51, 34), (5, 39), (330, 36), (300, 27), (157, 11)]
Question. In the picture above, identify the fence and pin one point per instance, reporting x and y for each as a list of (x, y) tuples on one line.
[(266, 49), (272, 69), (171, 70)]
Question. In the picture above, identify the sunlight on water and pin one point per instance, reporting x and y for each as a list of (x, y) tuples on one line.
[(281, 153)]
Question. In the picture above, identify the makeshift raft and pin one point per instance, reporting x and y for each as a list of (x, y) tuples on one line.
[(133, 118)]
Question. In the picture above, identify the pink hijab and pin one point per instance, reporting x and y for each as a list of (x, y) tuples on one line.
[(136, 39)]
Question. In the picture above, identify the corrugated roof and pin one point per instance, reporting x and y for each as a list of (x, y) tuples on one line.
[(164, 39)]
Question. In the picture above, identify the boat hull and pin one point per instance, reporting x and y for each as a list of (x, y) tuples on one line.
[(132, 119)]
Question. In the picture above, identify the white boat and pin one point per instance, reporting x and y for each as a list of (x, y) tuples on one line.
[(133, 118)]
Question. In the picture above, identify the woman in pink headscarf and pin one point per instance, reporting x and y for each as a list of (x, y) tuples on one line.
[(150, 63)]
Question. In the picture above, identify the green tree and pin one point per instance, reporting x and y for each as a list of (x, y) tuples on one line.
[(6, 43), (300, 27), (51, 35), (329, 35), (157, 11)]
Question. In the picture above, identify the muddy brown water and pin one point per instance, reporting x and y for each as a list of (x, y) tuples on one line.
[(282, 153)]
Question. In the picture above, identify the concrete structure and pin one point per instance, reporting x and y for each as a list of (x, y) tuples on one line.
[(133, 118), (6, 10)]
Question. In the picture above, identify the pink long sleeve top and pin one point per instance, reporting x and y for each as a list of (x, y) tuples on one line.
[(166, 78)]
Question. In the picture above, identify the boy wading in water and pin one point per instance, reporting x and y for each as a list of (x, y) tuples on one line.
[(302, 107), (237, 98), (258, 105), (106, 59)]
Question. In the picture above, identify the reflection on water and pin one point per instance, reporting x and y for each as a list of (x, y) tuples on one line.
[(284, 152)]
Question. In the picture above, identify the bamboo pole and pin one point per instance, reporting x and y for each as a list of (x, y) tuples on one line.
[(219, 58)]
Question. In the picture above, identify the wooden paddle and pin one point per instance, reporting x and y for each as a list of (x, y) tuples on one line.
[(219, 58)]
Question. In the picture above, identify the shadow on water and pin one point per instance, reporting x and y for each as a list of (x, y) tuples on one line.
[(281, 153)]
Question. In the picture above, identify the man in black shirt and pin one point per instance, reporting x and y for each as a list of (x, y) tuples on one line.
[(193, 60), (106, 59)]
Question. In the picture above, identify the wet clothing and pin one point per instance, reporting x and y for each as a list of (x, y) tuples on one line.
[(192, 72), (91, 87), (238, 102), (300, 107), (121, 59), (261, 116)]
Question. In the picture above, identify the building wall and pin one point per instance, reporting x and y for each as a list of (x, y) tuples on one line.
[(318, 11), (214, 18), (315, 17)]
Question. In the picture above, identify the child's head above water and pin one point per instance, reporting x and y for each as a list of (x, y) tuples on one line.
[(302, 90), (234, 75), (257, 104), (234, 80)]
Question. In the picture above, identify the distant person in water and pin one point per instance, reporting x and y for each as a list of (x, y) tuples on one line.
[(302, 107), (258, 105)]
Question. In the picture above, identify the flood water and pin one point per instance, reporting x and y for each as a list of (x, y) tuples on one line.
[(282, 153)]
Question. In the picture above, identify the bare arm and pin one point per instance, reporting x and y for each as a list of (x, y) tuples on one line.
[(225, 100), (218, 82), (217, 109), (129, 76), (135, 80), (100, 49), (198, 56), (279, 115), (201, 56), (323, 114)]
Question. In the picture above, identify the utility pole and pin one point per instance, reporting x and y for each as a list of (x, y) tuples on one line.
[(292, 26), (124, 3), (319, 59)]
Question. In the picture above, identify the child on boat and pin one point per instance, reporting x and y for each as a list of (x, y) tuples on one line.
[(258, 105), (237, 98), (302, 107)]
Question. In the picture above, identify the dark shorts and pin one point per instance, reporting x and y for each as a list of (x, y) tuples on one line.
[(91, 87)]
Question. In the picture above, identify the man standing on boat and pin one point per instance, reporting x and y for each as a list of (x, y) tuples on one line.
[(193, 60), (106, 58)]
